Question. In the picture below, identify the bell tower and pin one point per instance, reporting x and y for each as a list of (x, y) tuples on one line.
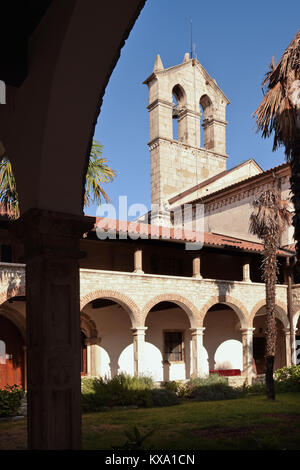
[(184, 95)]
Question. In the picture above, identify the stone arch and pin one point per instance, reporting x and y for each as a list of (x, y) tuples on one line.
[(179, 121), (296, 317), (206, 105), (177, 299), (281, 312), (15, 317), (88, 326), (12, 292), (233, 303), (126, 302), (179, 93)]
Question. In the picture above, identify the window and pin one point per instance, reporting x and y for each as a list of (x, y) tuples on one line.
[(173, 346)]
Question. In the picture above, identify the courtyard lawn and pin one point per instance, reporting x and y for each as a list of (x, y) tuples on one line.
[(247, 423)]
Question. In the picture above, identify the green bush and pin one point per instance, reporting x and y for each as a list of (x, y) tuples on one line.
[(10, 400), (208, 388), (163, 397), (177, 387), (121, 390), (291, 373), (287, 379), (215, 391)]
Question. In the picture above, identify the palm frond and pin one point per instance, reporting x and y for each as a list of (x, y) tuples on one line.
[(276, 111), (98, 173), (8, 194)]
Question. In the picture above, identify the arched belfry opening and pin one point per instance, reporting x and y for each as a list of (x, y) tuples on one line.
[(179, 102), (206, 109)]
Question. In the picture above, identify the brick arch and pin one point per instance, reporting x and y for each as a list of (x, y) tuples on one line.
[(11, 292), (15, 317), (235, 304), (126, 302), (88, 326), (177, 299), (280, 311)]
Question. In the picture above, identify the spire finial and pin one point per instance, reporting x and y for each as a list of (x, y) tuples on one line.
[(158, 66)]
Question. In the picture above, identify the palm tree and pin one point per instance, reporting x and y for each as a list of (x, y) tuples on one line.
[(8, 192), (269, 218), (279, 111), (98, 172)]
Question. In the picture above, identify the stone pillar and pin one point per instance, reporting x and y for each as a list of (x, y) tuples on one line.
[(51, 246), (293, 346), (94, 356), (288, 355), (246, 272), (139, 349), (138, 262), (25, 367), (199, 368), (247, 341), (196, 268)]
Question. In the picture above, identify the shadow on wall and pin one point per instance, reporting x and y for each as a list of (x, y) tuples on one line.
[(222, 338)]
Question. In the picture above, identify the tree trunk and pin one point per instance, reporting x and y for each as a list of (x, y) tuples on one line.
[(295, 188), (270, 274)]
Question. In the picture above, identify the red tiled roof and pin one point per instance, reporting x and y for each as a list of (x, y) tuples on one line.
[(210, 180), (241, 183), (147, 231)]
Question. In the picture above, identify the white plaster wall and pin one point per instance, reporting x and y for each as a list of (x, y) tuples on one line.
[(114, 329), (223, 340), (157, 322)]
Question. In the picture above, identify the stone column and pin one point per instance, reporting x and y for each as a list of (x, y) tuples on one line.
[(247, 341), (293, 346), (199, 368), (138, 262), (94, 356), (288, 355), (246, 272), (139, 349), (25, 367), (196, 268), (51, 246)]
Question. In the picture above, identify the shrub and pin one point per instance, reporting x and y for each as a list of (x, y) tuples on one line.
[(163, 397), (121, 390), (177, 387), (10, 400), (215, 391), (208, 388), (288, 373), (287, 379)]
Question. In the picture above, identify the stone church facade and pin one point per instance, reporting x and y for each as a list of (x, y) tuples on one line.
[(148, 305)]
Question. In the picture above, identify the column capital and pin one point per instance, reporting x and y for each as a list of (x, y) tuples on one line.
[(246, 331), (139, 329), (287, 331), (48, 232), (92, 341), (197, 331)]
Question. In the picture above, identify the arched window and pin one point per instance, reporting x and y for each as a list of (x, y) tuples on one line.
[(206, 108), (179, 100)]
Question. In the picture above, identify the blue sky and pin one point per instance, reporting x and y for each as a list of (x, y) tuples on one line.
[(235, 42)]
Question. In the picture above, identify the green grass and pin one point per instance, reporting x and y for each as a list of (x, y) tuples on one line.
[(247, 423)]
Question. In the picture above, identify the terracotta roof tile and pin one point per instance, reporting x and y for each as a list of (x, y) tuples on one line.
[(148, 231)]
